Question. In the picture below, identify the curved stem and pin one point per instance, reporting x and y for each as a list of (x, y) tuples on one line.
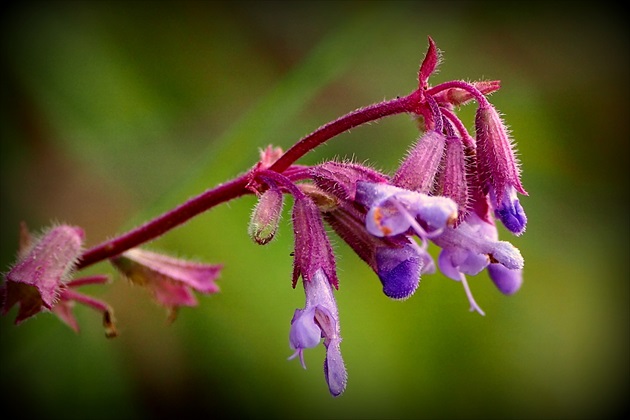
[(238, 186), (353, 119), (481, 99), (466, 137), (278, 178), (167, 221)]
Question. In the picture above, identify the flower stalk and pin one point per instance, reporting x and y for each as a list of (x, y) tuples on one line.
[(448, 192)]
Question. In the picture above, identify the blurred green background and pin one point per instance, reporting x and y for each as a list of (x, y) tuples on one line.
[(113, 112)]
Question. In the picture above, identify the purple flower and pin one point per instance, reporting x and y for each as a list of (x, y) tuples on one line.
[(320, 319), (315, 263), (471, 247), (396, 261), (394, 210), (498, 168)]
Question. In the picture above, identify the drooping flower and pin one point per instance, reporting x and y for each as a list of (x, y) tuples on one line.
[(171, 280), (314, 262), (397, 260), (320, 319), (473, 246), (44, 265), (498, 168)]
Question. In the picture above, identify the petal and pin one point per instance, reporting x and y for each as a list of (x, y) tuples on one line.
[(436, 212), (386, 220), (304, 333), (508, 255), (468, 262), (399, 271), (335, 369), (510, 211), (507, 281), (447, 267), (200, 276)]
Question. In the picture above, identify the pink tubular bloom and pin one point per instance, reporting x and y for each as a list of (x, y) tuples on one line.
[(171, 280), (419, 169), (35, 282)]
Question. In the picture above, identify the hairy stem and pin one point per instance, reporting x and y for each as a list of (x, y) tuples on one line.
[(353, 119), (166, 222), (238, 186), (479, 97)]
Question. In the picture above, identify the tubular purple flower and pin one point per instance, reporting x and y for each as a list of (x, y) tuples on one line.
[(318, 319), (498, 168), (396, 261), (394, 210), (475, 236), (417, 172), (473, 246), (44, 265)]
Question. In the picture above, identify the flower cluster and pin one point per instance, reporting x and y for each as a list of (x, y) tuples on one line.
[(449, 190)]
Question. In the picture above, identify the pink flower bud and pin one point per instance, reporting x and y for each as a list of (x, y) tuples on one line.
[(172, 280), (266, 216), (36, 280), (418, 170)]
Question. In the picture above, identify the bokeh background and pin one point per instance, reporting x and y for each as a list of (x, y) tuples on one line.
[(113, 112)]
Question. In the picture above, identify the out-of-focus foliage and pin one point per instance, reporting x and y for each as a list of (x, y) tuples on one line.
[(115, 111)]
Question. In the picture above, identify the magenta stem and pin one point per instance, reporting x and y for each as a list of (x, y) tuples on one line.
[(83, 281), (353, 119), (166, 222), (481, 99), (238, 186)]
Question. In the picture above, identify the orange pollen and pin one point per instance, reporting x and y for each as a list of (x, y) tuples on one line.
[(378, 217)]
